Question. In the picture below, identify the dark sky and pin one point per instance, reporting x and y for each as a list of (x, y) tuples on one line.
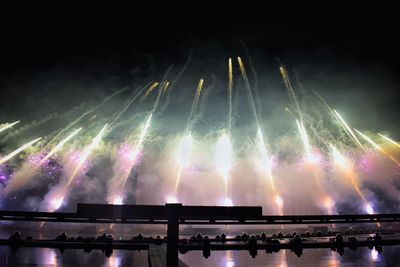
[(48, 65)]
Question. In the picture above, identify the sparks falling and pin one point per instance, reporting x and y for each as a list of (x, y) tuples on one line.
[(347, 167), (347, 128), (390, 140), (377, 147)]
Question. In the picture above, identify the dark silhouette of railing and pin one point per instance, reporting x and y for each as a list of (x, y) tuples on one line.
[(176, 214)]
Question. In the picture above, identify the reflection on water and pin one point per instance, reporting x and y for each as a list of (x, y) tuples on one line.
[(70, 257), (310, 257)]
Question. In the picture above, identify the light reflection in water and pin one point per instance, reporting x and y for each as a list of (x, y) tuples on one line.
[(113, 261), (333, 260), (283, 262), (51, 258), (230, 262), (374, 255)]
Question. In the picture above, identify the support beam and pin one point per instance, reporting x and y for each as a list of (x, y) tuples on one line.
[(173, 213)]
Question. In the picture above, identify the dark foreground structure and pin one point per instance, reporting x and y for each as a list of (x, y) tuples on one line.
[(174, 215)]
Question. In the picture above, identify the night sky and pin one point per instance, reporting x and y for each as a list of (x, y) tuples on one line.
[(48, 66)]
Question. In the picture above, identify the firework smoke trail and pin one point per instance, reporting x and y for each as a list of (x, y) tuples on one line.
[(127, 105), (313, 162), (347, 128), (129, 158), (390, 140), (323, 101), (14, 153), (223, 162), (105, 100), (176, 80), (289, 88), (230, 86), (347, 168), (164, 84), (21, 178), (7, 125), (376, 146)]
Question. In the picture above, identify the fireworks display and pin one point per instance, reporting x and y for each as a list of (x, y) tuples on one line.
[(138, 158)]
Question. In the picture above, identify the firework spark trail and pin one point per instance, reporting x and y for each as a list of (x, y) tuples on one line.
[(349, 172), (59, 145), (186, 142), (22, 177), (390, 140), (347, 128), (184, 151), (7, 126), (26, 127), (138, 147), (255, 76), (86, 153), (304, 138), (127, 158), (244, 75), (151, 88), (195, 104), (376, 146), (126, 106), (266, 163), (230, 86), (289, 88), (312, 160), (165, 87), (139, 144), (164, 84), (223, 161), (203, 102), (264, 151), (105, 100), (14, 153)]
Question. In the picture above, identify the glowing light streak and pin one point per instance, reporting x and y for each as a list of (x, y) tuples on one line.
[(16, 152)]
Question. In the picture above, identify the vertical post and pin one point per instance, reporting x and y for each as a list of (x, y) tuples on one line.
[(173, 212)]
